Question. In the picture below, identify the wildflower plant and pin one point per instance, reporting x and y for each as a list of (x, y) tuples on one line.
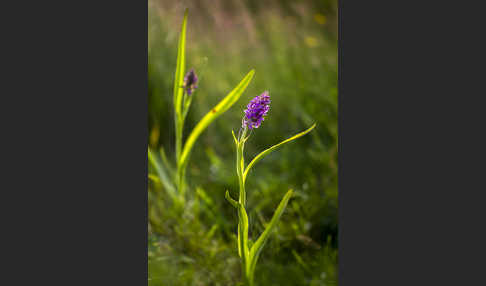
[(185, 87), (255, 114)]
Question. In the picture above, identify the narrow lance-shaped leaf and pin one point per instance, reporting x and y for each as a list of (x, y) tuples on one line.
[(236, 205), (180, 69), (234, 137), (164, 178), (214, 113), (260, 242), (273, 148), (240, 166), (243, 228), (187, 104), (238, 239), (230, 199)]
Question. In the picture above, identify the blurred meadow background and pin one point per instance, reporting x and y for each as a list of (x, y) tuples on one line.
[(292, 45)]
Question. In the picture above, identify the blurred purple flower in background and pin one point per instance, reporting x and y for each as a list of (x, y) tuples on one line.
[(190, 81), (256, 110)]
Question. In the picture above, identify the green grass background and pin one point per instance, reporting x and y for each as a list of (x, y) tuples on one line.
[(292, 45)]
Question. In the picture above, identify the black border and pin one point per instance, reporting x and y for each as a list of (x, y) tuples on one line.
[(75, 199), (410, 182)]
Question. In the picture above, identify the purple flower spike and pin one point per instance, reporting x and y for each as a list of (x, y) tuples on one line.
[(256, 110), (190, 81)]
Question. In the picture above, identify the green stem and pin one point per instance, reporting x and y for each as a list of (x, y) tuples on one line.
[(242, 234), (179, 125), (178, 136), (240, 166), (244, 248)]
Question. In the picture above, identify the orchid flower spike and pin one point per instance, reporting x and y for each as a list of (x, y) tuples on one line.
[(256, 111)]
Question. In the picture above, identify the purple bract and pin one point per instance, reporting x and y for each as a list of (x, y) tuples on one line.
[(190, 81), (256, 110)]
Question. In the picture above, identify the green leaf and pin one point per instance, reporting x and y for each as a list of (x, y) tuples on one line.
[(243, 229), (180, 69), (214, 113), (273, 148), (164, 178), (258, 245), (204, 196), (234, 137), (230, 199), (211, 231), (187, 103)]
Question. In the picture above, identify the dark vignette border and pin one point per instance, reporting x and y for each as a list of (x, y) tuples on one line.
[(410, 172), (75, 208)]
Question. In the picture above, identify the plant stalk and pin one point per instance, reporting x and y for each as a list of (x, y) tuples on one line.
[(240, 166), (180, 176), (242, 235)]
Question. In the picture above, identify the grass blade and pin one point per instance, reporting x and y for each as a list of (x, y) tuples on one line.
[(258, 245), (180, 69), (164, 178), (166, 162), (154, 178), (273, 148), (219, 109), (204, 196)]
